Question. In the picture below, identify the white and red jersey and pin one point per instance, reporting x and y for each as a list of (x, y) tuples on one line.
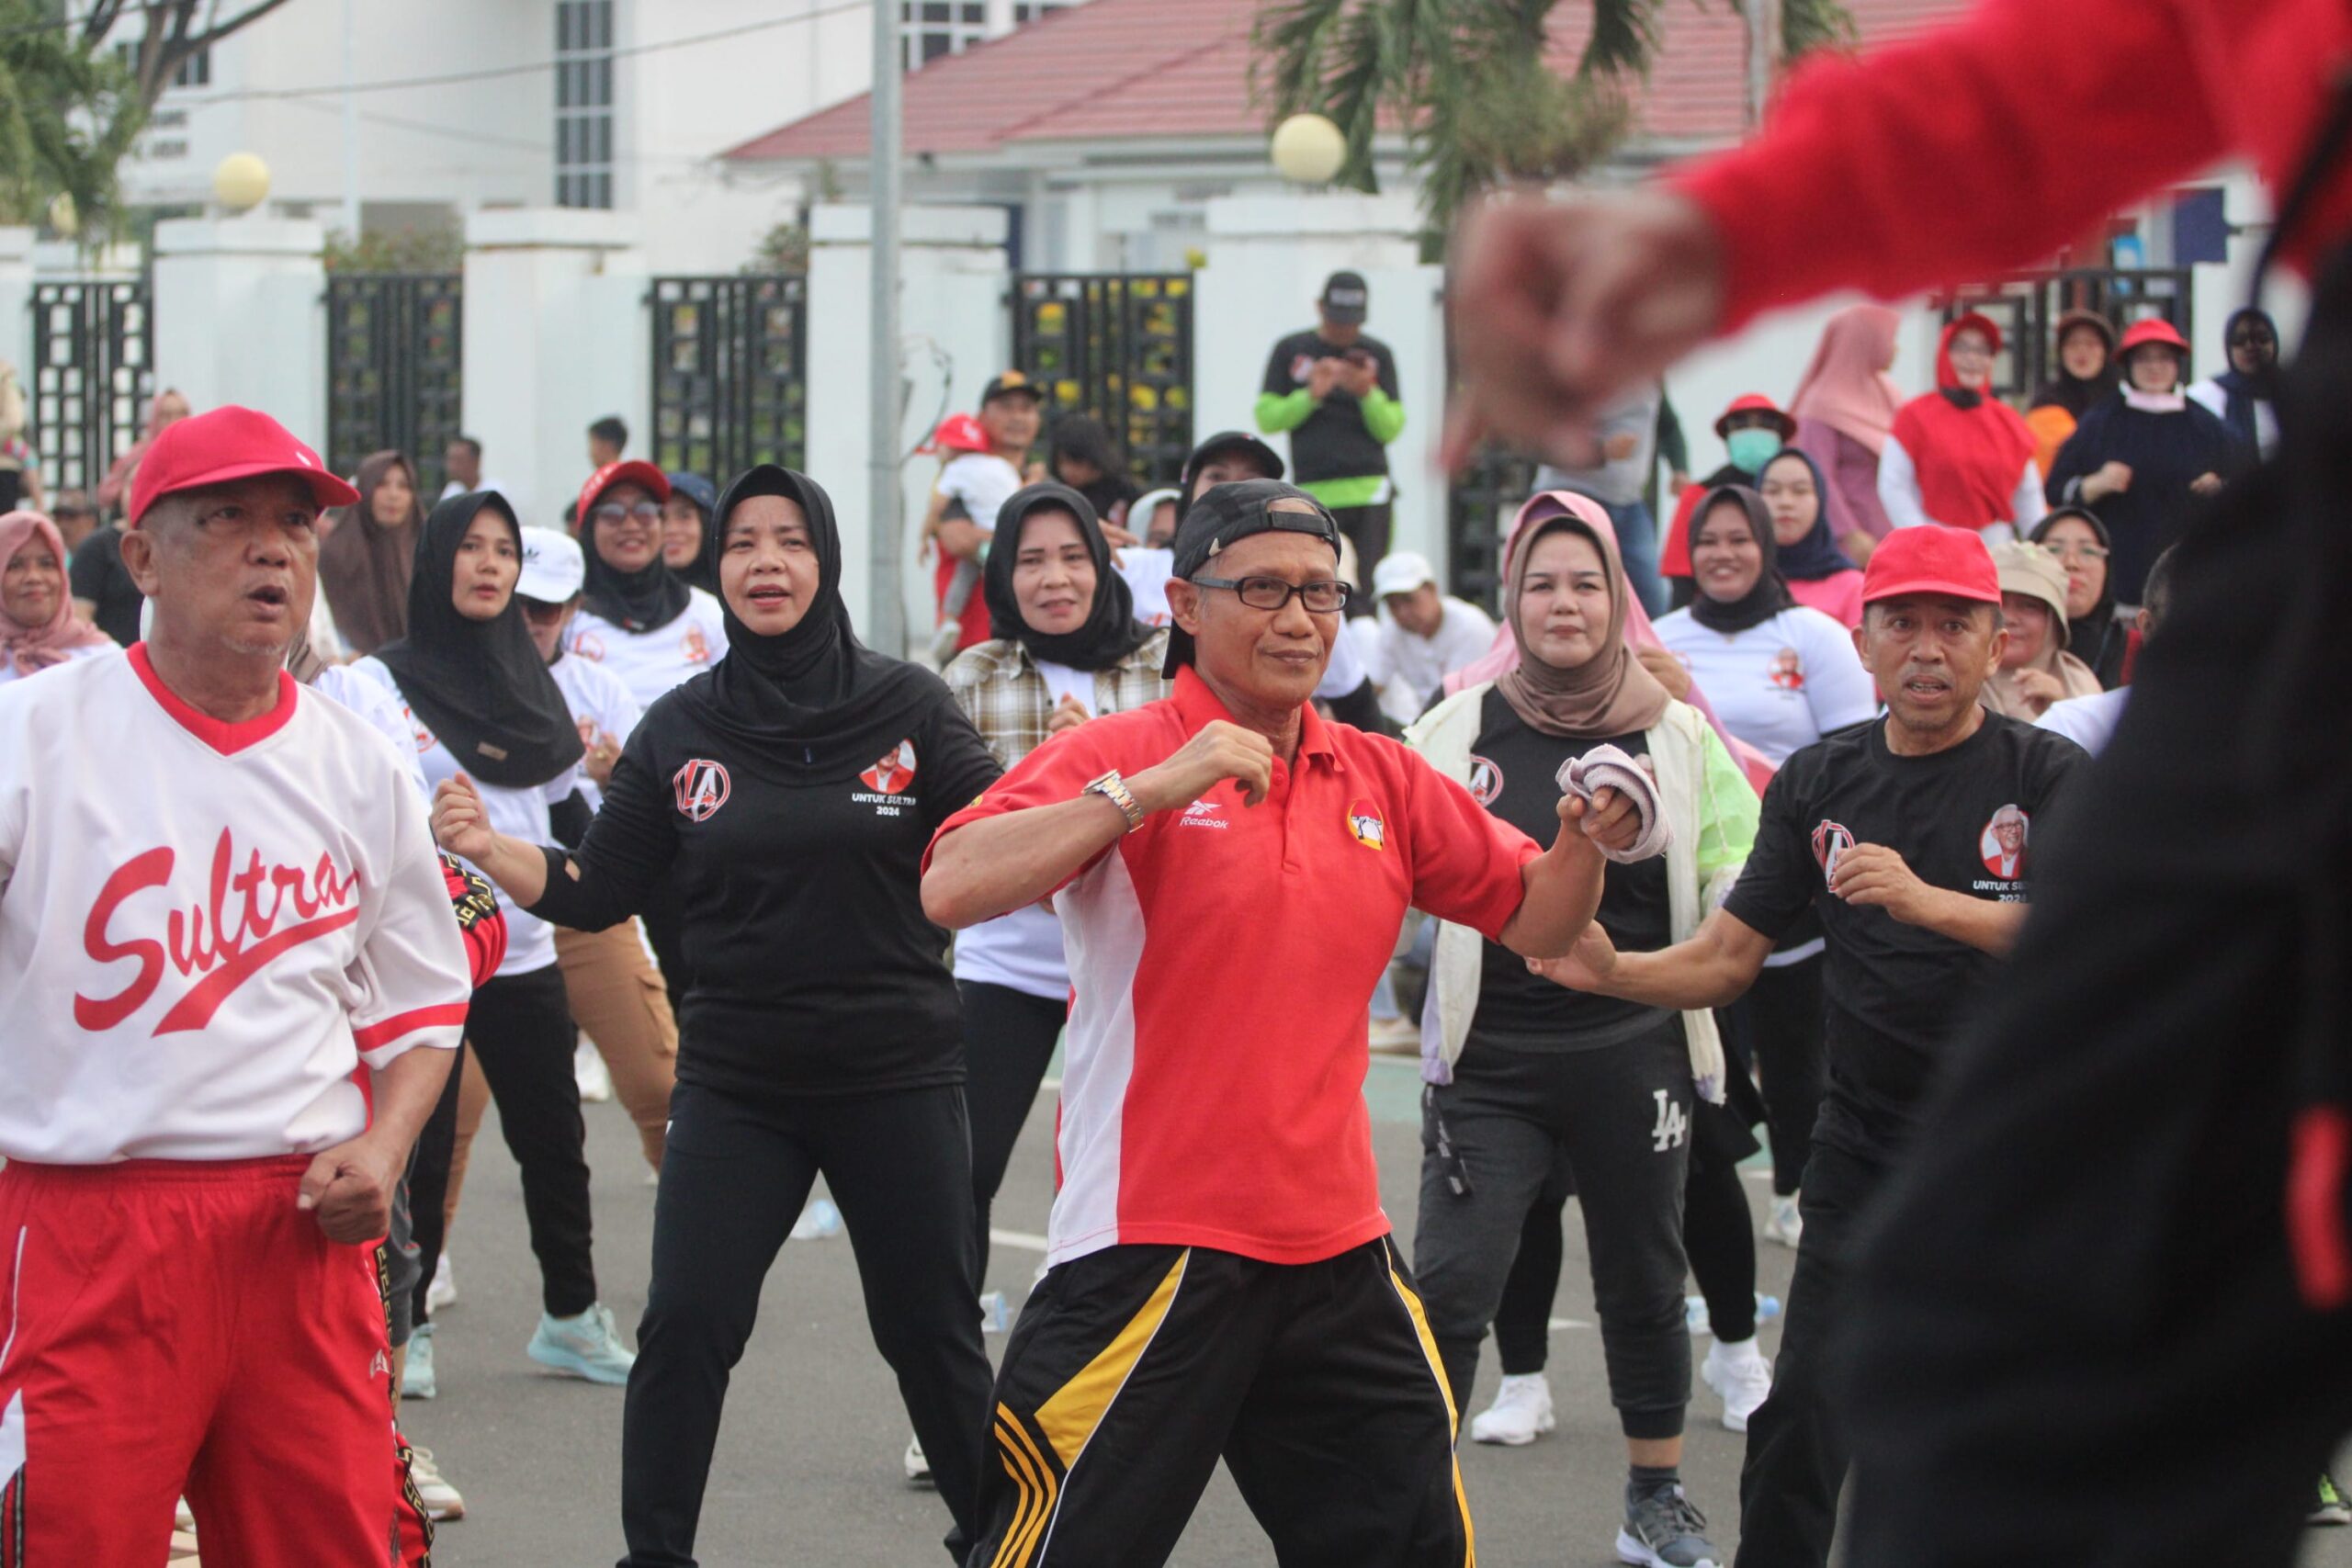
[(1223, 958), (600, 703), (206, 927), (651, 663)]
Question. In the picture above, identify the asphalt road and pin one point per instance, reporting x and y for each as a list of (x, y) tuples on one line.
[(807, 1469)]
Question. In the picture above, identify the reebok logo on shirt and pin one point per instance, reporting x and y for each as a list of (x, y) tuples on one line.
[(200, 940), (1203, 814)]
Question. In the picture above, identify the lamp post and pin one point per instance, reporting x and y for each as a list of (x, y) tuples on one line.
[(240, 182), (884, 510), (1308, 148)]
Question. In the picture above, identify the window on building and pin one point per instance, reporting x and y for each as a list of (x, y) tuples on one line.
[(583, 103), (195, 71), (932, 28)]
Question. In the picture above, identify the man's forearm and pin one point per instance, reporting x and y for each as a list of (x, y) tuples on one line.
[(1685, 977), (1002, 864), (1980, 922), (1562, 889), (404, 1093)]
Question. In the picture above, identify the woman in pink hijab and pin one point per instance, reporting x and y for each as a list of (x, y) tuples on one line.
[(38, 626), (1845, 408), (1640, 636)]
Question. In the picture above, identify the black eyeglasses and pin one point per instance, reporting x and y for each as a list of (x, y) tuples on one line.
[(1328, 597), (2254, 340), (614, 512)]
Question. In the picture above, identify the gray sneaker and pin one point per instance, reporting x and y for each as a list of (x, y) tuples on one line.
[(1663, 1530)]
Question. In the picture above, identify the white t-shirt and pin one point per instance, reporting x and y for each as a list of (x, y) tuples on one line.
[(1409, 670), (454, 488), (8, 671), (651, 663), (2089, 722), (135, 833), (384, 715), (518, 813), (1146, 573), (598, 702), (983, 483), (1780, 684)]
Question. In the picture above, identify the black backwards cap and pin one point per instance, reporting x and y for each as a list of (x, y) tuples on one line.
[(1224, 516)]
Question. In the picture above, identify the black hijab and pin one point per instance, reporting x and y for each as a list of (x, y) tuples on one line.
[(1768, 596), (2241, 391), (641, 600), (811, 701), (2098, 638), (1111, 631), (2075, 393), (702, 570), (1089, 440), (480, 686), (1817, 555)]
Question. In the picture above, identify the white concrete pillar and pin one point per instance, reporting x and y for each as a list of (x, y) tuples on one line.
[(15, 301), (957, 332), (238, 317), (556, 338), (1268, 257)]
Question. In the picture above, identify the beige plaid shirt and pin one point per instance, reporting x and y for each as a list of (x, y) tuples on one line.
[(1000, 690)]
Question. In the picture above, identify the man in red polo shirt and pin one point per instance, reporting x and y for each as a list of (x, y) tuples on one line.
[(1231, 871)]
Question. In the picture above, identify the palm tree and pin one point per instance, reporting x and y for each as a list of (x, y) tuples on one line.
[(1468, 84)]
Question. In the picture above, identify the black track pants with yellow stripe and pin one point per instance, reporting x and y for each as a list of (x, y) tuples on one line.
[(1135, 1369)]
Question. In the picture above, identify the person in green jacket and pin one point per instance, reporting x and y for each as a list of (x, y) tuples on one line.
[(1333, 388)]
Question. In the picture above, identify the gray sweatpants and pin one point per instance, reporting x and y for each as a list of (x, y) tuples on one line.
[(1622, 1115)]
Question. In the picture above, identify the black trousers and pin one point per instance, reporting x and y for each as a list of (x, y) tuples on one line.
[(1009, 1039), (1718, 1238), (1622, 1115), (1135, 1369), (2078, 1322), (1368, 528), (1784, 1016), (520, 1029), (1797, 1448), (734, 1176)]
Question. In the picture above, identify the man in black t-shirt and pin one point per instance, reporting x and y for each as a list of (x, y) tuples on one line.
[(104, 593), (1913, 838), (1334, 389)]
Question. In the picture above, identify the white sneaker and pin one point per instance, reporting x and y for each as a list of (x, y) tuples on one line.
[(595, 1078), (441, 1500), (1395, 1037), (443, 1292), (1520, 1413), (1784, 1224), (416, 1372), (918, 1468), (1742, 1376)]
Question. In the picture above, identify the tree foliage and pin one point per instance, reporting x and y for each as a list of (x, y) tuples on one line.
[(1468, 84)]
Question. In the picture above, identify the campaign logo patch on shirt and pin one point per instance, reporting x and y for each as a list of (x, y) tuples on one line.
[(1787, 670), (1302, 368), (693, 647), (894, 773), (1365, 825), (702, 787), (588, 645), (2001, 845), (1830, 839), (1485, 782)]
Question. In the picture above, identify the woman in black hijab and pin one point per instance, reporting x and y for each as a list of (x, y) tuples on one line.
[(1085, 460), (786, 799), (2094, 633), (482, 703), (1065, 648), (1764, 598)]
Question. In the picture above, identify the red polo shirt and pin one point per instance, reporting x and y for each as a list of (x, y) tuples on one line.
[(1223, 959)]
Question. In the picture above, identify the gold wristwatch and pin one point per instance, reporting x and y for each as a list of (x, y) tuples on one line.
[(1113, 788)]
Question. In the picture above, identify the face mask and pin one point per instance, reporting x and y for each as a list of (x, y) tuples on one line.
[(1751, 450)]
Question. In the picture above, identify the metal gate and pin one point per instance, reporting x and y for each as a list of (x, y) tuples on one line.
[(1118, 347), (92, 373), (2027, 307), (1479, 506), (730, 386), (395, 370)]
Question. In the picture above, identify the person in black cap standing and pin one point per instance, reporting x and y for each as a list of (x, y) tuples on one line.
[(1334, 389), (1221, 1279)]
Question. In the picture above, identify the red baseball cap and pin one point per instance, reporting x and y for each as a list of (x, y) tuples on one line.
[(636, 471), (2155, 329), (228, 442), (1932, 559), (1757, 402)]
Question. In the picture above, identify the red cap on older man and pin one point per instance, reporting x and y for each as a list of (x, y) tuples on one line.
[(1932, 559), (228, 444)]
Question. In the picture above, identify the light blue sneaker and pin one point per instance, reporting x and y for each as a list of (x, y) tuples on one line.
[(416, 1372), (587, 1346)]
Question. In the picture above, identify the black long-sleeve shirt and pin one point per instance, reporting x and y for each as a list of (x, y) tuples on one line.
[(815, 970)]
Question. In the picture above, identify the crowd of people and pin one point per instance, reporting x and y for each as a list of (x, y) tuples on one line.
[(451, 790)]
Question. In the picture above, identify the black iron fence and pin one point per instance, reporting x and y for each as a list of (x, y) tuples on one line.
[(1479, 507), (730, 385), (395, 370), (93, 372), (1118, 347), (2027, 307)]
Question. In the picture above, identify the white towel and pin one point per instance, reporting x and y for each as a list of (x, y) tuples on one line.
[(1608, 767)]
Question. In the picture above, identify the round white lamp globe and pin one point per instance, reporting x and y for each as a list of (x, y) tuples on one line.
[(1309, 149), (63, 216), (241, 182)]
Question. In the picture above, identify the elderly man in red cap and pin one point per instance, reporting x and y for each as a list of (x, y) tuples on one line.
[(218, 900), (1895, 833)]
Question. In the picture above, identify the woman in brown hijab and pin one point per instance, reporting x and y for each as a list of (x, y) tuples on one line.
[(367, 559)]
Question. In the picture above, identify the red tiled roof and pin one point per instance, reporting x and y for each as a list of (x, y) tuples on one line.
[(1120, 70)]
